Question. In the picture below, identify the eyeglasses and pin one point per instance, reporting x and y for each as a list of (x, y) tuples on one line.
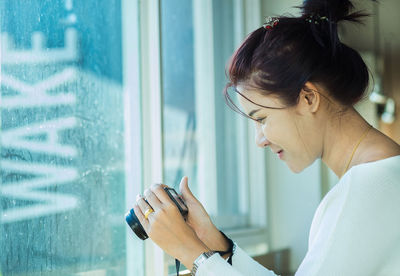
[(232, 100), (231, 94)]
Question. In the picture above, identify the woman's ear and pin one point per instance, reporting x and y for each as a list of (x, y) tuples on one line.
[(309, 98)]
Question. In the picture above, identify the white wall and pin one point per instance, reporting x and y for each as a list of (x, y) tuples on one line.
[(273, 7), (292, 201)]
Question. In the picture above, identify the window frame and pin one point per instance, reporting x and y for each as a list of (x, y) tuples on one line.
[(130, 18), (151, 114)]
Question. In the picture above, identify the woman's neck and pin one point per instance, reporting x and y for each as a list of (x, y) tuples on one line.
[(342, 136)]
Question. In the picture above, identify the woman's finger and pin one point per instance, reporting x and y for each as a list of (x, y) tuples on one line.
[(158, 190), (139, 214), (185, 191), (152, 199), (144, 207)]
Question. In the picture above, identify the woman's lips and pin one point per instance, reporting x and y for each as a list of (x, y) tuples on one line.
[(280, 154)]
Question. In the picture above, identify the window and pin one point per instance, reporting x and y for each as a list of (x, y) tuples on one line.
[(63, 139), (100, 99), (202, 137)]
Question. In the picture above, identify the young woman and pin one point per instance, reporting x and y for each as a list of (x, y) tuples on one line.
[(299, 83)]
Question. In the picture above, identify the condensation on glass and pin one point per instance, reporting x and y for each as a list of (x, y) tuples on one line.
[(62, 142)]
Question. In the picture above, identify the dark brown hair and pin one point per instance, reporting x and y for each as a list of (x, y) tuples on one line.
[(282, 59)]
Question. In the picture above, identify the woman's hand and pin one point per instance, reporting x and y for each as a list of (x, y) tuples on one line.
[(166, 226), (200, 221)]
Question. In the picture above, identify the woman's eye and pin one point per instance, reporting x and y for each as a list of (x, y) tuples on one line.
[(261, 120)]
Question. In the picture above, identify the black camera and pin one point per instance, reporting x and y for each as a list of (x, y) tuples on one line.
[(134, 223)]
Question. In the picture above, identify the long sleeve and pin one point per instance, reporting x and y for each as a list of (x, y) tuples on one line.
[(356, 229), (242, 264)]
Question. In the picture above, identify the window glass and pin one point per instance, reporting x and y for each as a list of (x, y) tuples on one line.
[(178, 92), (181, 135), (62, 138), (181, 115), (232, 187)]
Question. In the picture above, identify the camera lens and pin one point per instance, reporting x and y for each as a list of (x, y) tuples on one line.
[(135, 225)]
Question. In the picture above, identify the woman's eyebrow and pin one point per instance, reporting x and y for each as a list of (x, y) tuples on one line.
[(253, 111)]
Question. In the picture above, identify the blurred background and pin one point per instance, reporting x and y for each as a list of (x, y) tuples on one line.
[(100, 99)]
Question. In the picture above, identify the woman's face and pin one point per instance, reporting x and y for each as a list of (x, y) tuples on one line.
[(289, 133)]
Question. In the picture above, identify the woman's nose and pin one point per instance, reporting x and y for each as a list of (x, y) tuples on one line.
[(261, 140)]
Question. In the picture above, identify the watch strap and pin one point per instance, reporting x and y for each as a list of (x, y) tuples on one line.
[(200, 259)]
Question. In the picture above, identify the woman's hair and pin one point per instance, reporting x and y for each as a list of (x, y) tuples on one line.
[(281, 59)]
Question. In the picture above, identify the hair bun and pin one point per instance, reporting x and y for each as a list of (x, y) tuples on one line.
[(331, 11), (334, 10)]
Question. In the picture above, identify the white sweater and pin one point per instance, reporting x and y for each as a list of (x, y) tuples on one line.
[(355, 229)]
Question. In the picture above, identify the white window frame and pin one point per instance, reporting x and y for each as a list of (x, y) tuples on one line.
[(132, 133), (152, 110)]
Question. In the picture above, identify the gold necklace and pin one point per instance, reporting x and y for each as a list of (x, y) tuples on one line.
[(355, 148)]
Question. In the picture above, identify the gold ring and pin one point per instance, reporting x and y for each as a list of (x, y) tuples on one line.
[(148, 212)]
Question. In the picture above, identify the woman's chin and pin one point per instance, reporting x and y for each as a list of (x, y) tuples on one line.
[(298, 168), (295, 168)]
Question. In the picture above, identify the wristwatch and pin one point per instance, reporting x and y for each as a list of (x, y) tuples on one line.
[(200, 259)]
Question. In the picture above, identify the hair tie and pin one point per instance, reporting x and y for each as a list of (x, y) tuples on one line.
[(316, 19), (270, 22)]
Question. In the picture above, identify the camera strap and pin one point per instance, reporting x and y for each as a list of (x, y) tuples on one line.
[(221, 253)]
